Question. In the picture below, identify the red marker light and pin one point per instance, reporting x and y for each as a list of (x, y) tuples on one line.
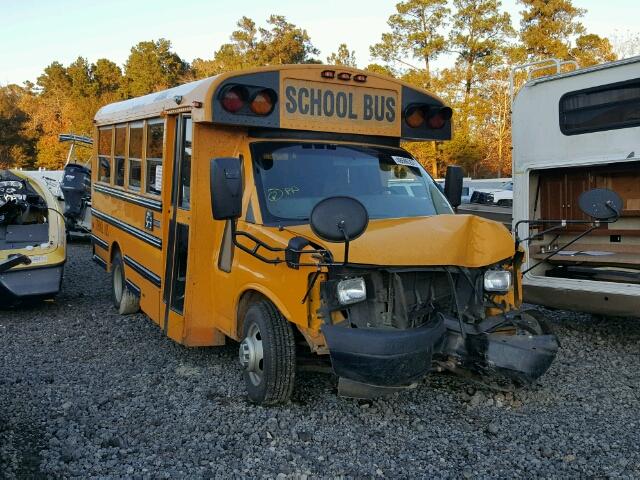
[(344, 76), (328, 74), (414, 116), (234, 99), (263, 102), (360, 78), (439, 119)]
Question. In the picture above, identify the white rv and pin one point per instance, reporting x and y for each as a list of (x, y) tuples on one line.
[(573, 132)]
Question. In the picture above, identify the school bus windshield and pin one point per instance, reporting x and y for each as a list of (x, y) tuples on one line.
[(292, 178)]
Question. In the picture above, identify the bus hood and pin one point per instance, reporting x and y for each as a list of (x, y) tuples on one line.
[(461, 240)]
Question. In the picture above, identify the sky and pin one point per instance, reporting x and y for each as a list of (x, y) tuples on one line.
[(35, 33)]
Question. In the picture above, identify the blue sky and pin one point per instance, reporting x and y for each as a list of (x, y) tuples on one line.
[(36, 32)]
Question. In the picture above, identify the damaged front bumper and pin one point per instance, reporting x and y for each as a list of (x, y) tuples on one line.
[(517, 345), (415, 320), (370, 362), (383, 357)]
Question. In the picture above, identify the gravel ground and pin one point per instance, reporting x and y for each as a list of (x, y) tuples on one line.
[(85, 392)]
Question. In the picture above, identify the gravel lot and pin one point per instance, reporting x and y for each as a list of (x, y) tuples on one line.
[(85, 392)]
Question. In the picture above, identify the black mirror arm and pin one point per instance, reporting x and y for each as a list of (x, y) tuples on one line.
[(611, 206), (346, 242), (536, 235), (563, 224), (235, 233), (586, 232)]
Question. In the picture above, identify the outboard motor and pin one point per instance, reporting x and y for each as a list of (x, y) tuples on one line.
[(76, 190)]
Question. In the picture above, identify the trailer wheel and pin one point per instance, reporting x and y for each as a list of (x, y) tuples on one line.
[(124, 299), (267, 354)]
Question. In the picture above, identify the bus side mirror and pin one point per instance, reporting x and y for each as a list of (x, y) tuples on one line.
[(453, 185), (225, 182)]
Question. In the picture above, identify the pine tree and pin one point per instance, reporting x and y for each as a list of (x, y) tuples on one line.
[(343, 56), (548, 27), (416, 32), (152, 66)]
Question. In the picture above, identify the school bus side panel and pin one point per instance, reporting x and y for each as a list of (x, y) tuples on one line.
[(120, 224)]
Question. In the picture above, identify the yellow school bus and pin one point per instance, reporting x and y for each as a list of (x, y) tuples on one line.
[(276, 208)]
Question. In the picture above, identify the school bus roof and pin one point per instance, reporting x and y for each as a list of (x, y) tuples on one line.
[(305, 98)]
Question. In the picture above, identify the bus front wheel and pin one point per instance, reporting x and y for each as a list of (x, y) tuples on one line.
[(268, 355), (123, 299)]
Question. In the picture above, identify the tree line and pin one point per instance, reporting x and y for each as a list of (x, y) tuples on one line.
[(477, 34)]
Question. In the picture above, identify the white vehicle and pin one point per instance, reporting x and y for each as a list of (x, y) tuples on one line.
[(501, 196), (572, 132)]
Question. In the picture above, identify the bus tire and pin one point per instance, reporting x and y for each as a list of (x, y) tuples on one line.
[(267, 354), (124, 300)]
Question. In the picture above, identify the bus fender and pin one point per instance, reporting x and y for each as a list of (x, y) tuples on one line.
[(253, 292)]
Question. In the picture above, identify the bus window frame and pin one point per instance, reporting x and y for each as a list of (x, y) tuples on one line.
[(128, 187), (109, 157), (124, 157), (147, 123), (176, 196)]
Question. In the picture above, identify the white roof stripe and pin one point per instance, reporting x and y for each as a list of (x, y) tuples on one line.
[(154, 103)]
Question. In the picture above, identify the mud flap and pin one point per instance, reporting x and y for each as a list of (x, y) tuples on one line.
[(487, 350)]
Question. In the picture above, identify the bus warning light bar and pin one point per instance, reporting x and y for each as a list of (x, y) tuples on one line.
[(436, 117), (260, 101)]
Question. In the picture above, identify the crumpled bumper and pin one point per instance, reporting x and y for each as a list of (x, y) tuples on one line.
[(490, 352), (383, 357)]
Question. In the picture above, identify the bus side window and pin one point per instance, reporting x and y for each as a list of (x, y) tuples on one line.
[(184, 190), (155, 140), (135, 156), (119, 154), (105, 140)]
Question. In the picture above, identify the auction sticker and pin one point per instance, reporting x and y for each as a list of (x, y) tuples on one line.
[(409, 162)]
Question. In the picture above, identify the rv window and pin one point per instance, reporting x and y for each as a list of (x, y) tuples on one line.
[(601, 108)]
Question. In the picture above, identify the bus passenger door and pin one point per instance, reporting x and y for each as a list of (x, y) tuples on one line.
[(179, 220)]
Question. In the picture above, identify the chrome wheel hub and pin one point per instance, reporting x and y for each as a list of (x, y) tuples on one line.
[(251, 354), (118, 287)]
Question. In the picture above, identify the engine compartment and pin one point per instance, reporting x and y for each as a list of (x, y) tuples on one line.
[(407, 298)]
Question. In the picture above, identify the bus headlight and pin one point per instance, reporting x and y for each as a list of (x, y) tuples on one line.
[(497, 280), (352, 290)]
